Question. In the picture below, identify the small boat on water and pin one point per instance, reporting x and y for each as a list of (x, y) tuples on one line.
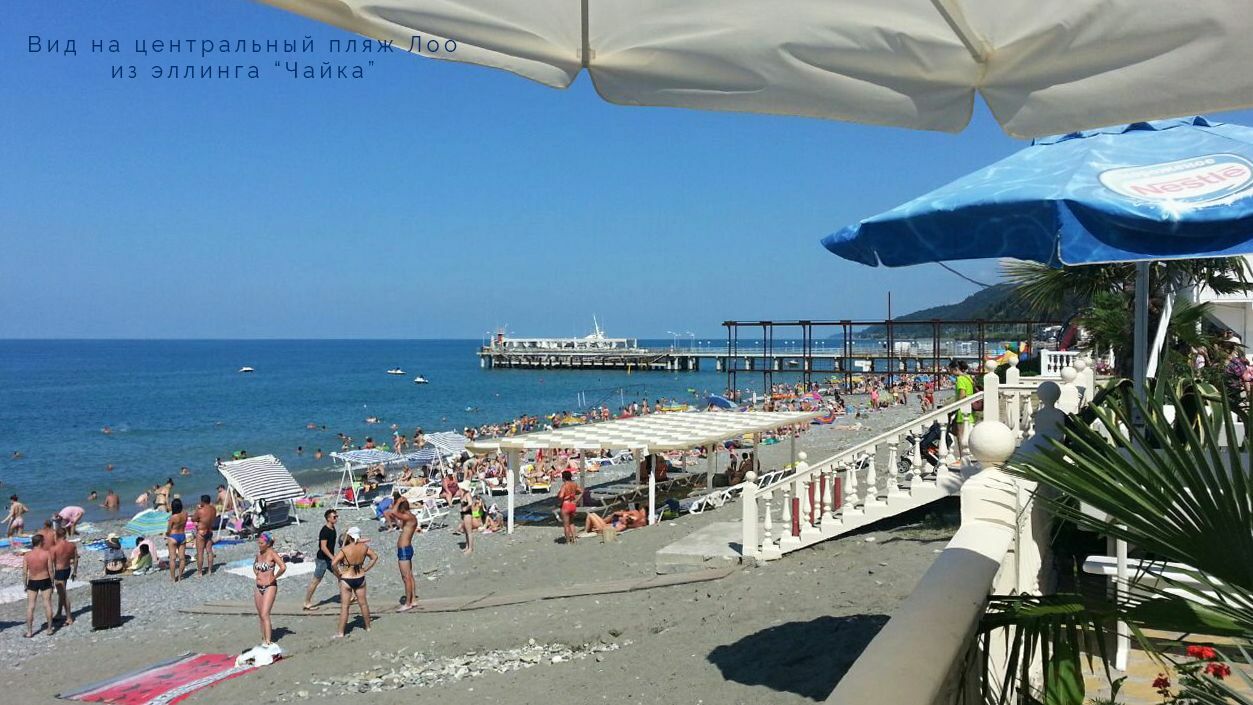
[(395, 371), (246, 369), (420, 380)]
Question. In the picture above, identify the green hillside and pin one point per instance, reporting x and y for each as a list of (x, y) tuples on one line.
[(991, 304)]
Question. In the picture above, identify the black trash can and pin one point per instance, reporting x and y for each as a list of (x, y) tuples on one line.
[(106, 603)]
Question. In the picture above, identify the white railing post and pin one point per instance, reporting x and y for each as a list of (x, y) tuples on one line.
[(829, 473), (871, 495), (1069, 401), (850, 492), (1012, 372), (894, 462), (944, 452), (769, 549), (991, 395), (749, 543)]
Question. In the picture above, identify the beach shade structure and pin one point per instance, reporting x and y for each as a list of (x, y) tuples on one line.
[(448, 442), (907, 63), (149, 522), (644, 435), (1169, 189), (720, 401), (429, 456), (354, 460), (266, 485)]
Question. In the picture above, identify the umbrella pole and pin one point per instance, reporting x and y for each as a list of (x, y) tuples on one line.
[(1139, 361)]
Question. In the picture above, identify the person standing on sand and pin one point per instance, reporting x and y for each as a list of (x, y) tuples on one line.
[(352, 569), (37, 575), (324, 558), (176, 540), (65, 569), (268, 567), (16, 516), (404, 517), (49, 533), (205, 517), (568, 495)]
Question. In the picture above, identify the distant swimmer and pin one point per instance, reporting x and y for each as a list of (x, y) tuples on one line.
[(91, 496), (111, 501), (17, 455), (311, 426), (107, 431), (184, 471), (108, 468), (300, 450), (372, 419), (317, 455), (142, 499)]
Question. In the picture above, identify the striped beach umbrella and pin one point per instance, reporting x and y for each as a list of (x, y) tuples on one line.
[(148, 522)]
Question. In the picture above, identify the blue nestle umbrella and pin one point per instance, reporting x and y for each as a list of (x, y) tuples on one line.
[(1154, 190), (1170, 189), (720, 401), (148, 522)]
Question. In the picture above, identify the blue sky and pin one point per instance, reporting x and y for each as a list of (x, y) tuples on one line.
[(428, 199)]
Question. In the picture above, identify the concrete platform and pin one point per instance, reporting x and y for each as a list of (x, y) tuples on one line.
[(714, 546)]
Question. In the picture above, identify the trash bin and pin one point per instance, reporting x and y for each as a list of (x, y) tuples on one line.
[(106, 603)]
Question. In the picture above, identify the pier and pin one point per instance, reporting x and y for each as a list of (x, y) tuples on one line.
[(799, 350)]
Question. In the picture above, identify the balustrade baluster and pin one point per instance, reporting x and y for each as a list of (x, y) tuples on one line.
[(871, 491), (850, 491), (894, 462), (769, 550)]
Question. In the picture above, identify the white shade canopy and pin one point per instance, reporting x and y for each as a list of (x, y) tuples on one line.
[(262, 478), (1042, 69), (674, 431), (368, 456)]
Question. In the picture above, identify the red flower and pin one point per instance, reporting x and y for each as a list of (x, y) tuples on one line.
[(1218, 669), (1161, 682), (1204, 653)]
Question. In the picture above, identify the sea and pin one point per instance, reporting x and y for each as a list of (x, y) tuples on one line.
[(174, 403)]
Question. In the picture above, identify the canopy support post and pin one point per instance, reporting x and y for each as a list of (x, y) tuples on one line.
[(511, 469), (711, 465), (652, 489)]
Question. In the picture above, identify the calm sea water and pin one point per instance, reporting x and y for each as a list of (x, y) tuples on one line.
[(176, 403)]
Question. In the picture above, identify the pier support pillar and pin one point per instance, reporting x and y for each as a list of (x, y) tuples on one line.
[(720, 364)]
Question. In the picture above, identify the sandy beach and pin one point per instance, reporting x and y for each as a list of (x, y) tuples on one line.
[(783, 632)]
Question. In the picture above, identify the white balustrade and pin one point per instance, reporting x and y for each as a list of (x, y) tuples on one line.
[(894, 462), (1052, 362)]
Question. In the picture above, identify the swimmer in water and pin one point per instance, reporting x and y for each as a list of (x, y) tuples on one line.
[(108, 468), (107, 431), (184, 471), (17, 455)]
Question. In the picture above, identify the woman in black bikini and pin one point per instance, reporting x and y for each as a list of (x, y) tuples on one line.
[(267, 566), (352, 569)]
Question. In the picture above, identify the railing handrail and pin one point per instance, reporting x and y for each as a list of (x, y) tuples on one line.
[(932, 415)]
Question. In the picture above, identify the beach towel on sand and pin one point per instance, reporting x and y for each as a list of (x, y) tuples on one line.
[(162, 683)]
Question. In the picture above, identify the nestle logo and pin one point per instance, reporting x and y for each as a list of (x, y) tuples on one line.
[(1212, 177)]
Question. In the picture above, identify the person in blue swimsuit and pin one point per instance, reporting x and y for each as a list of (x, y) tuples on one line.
[(176, 539)]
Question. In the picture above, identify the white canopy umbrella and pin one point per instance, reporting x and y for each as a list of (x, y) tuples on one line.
[(644, 435), (909, 63)]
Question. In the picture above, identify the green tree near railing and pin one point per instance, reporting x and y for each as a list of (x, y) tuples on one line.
[(1101, 298), (1169, 489)]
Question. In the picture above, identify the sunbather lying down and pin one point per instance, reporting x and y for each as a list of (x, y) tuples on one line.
[(618, 521)]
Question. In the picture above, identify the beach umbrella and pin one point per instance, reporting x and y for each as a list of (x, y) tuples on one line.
[(1170, 189), (720, 401), (908, 63), (148, 522)]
